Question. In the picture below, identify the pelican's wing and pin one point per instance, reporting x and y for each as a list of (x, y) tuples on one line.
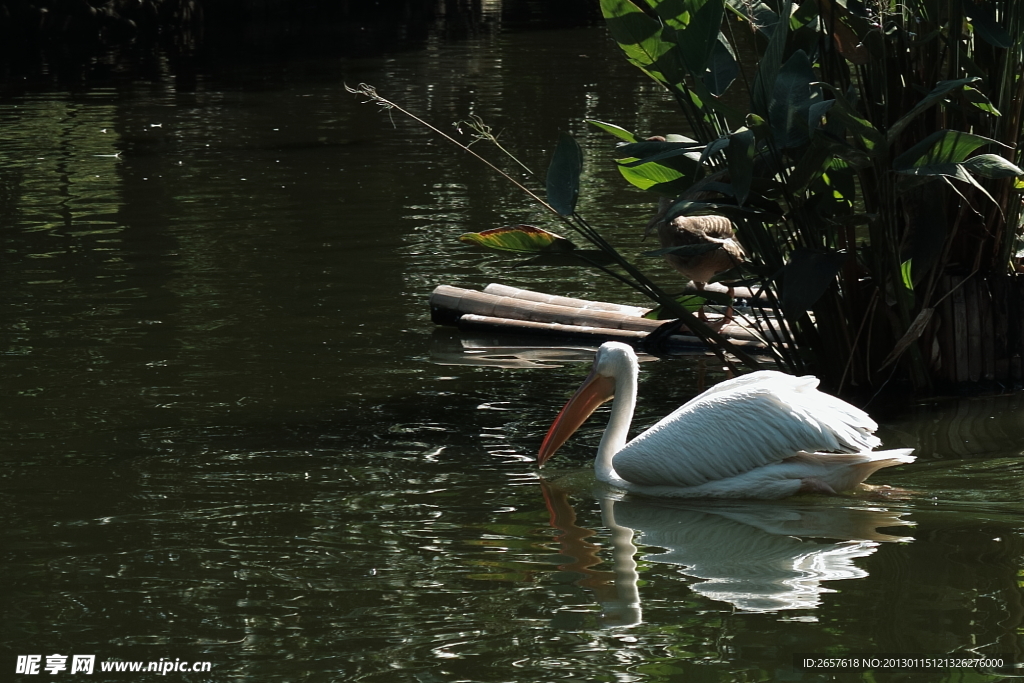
[(741, 424)]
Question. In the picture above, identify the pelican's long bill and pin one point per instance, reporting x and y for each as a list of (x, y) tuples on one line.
[(596, 389)]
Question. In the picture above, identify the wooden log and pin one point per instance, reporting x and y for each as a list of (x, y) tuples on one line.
[(527, 295), (675, 342), (448, 303), (487, 323)]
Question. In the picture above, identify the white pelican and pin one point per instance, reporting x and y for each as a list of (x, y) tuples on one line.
[(762, 435)]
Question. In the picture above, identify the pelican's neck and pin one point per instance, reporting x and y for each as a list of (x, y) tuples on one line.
[(618, 423)]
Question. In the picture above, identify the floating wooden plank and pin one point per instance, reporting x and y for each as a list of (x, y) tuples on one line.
[(511, 310), (675, 343), (447, 303), (528, 295)]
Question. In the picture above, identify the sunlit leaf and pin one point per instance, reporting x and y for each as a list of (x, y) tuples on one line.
[(980, 100), (519, 239), (617, 131), (654, 177), (941, 148), (563, 179), (870, 138), (692, 303), (905, 273), (641, 38), (937, 94), (992, 166)]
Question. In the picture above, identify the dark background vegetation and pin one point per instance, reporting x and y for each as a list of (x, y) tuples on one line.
[(44, 42)]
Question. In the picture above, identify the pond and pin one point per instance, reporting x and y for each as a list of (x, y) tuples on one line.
[(232, 434)]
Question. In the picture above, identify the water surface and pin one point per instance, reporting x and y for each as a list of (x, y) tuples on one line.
[(232, 434)]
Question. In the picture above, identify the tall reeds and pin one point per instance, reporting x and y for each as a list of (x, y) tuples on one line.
[(869, 152)]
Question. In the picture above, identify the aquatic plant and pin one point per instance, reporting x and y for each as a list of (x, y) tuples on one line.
[(868, 156)]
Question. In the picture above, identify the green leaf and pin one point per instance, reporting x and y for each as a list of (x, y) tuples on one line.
[(722, 68), (519, 239), (647, 43), (871, 140), (905, 268), (617, 131), (692, 303), (654, 177), (937, 94), (992, 166), (979, 100), (740, 155), (697, 41), (806, 277), (771, 61), (792, 97), (563, 180), (985, 24), (936, 153)]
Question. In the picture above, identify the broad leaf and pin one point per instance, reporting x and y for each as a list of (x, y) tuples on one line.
[(519, 239), (722, 68), (697, 41), (692, 303), (563, 180), (937, 94), (647, 43), (992, 166), (740, 154), (654, 177), (937, 153), (905, 274), (870, 138), (771, 61), (617, 131), (806, 277), (792, 97), (985, 24), (979, 100)]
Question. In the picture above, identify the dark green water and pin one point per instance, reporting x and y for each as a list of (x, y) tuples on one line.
[(230, 432)]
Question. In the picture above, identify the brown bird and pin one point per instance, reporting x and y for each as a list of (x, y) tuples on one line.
[(705, 262)]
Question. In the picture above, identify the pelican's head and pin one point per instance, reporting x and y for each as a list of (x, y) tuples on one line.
[(614, 361)]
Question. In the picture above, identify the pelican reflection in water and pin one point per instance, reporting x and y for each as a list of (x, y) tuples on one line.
[(755, 556)]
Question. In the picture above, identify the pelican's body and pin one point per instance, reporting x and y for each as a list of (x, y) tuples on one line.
[(762, 435)]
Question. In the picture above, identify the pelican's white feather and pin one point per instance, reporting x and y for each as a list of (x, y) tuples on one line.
[(762, 435)]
